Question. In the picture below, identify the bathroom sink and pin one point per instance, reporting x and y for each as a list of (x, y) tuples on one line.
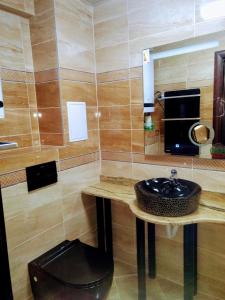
[(169, 197)]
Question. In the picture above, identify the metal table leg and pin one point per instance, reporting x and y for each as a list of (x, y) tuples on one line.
[(190, 261), (140, 238), (108, 226), (100, 223), (104, 224), (151, 251), (195, 258)]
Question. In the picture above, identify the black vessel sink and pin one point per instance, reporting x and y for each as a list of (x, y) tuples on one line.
[(168, 197)]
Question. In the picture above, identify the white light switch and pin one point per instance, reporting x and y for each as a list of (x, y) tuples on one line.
[(77, 120)]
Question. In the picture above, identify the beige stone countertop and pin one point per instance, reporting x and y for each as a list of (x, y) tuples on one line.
[(211, 208)]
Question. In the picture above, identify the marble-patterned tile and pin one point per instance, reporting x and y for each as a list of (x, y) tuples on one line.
[(160, 16), (114, 93), (109, 10), (41, 60), (115, 140), (112, 58), (115, 117), (48, 94), (11, 49), (111, 32), (78, 91)]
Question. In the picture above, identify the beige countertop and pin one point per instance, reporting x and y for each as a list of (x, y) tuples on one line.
[(211, 208)]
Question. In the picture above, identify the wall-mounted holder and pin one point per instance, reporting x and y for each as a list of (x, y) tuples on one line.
[(41, 175)]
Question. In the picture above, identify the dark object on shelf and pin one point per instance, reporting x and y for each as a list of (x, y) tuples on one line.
[(72, 270), (41, 175), (165, 197)]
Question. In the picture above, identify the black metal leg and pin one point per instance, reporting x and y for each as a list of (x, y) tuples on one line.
[(189, 261), (100, 223), (104, 224), (195, 258), (108, 226), (140, 238), (151, 251)]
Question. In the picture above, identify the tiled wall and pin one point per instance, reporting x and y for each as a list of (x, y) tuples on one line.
[(65, 70), (21, 7), (20, 124), (123, 28), (38, 221)]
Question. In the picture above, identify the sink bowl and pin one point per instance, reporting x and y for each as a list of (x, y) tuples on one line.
[(166, 197)]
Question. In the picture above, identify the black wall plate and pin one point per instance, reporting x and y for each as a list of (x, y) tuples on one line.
[(41, 175)]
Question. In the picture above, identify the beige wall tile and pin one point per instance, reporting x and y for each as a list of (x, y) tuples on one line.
[(138, 141), (76, 48), (45, 56), (116, 169), (48, 75), (116, 117), (136, 86), (109, 10), (43, 27), (159, 16), (78, 91), (113, 76), (68, 74), (80, 148), (17, 4), (115, 140), (15, 94), (137, 116), (43, 5), (111, 32), (112, 58), (48, 94), (114, 93), (11, 49), (51, 120), (116, 156), (92, 119), (27, 224), (15, 122), (20, 160), (28, 58), (71, 58), (52, 139), (29, 6)]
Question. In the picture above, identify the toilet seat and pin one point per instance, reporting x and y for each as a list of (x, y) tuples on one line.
[(76, 264)]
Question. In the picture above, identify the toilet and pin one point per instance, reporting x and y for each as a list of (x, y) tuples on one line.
[(71, 271)]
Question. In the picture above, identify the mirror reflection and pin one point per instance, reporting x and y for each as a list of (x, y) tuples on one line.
[(183, 75)]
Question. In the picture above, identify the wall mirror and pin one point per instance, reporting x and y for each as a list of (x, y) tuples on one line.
[(188, 117)]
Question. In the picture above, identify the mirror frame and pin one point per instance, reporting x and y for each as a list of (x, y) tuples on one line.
[(219, 86)]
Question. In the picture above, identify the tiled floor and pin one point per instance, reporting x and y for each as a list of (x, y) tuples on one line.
[(125, 286)]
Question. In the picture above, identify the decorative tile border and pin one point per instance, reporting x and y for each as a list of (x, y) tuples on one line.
[(78, 161), (12, 178)]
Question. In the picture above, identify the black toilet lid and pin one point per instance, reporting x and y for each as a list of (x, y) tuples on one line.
[(80, 265)]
